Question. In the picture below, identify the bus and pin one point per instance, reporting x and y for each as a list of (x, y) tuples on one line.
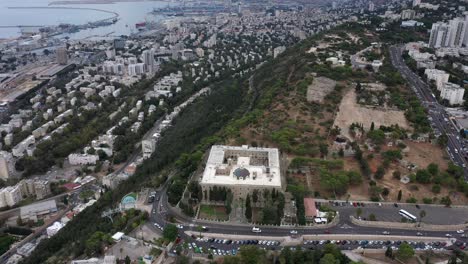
[(407, 215)]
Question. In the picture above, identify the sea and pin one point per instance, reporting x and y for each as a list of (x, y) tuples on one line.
[(130, 13)]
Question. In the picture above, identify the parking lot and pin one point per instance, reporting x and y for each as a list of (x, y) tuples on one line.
[(225, 247), (436, 215)]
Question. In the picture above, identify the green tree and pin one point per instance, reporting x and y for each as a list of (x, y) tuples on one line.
[(248, 208), (433, 169), (423, 176), (372, 126), (446, 201), (358, 212), (422, 214), (328, 259), (436, 188), (372, 217), (442, 140), (389, 252), (127, 260), (400, 193), (170, 232), (405, 252), (252, 255), (379, 173)]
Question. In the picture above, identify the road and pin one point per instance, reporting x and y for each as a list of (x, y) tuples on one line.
[(440, 120), (162, 212)]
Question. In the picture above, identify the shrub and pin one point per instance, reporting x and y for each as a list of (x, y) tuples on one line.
[(411, 200), (436, 188)]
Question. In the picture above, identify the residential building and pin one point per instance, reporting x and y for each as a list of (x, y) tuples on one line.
[(453, 93), (62, 56), (416, 3), (148, 60), (241, 170), (451, 34), (440, 77), (136, 69), (407, 14), (7, 165), (82, 159), (148, 147)]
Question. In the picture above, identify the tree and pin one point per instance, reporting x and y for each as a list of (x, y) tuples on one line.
[(248, 208), (372, 217), (372, 126), (358, 212), (127, 260), (442, 140), (422, 214), (397, 175), (405, 252), (19, 221), (433, 169), (436, 188), (323, 149), (446, 201), (389, 252), (252, 255), (399, 195), (170, 232), (379, 173), (255, 196), (423, 176), (328, 259)]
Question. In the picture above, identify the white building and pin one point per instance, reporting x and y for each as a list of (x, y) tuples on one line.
[(416, 3), (82, 159), (242, 170), (10, 196), (148, 60), (451, 34), (136, 69), (453, 93), (7, 165), (440, 77), (53, 229), (407, 14), (148, 147)]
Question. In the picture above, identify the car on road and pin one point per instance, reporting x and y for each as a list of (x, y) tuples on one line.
[(448, 235), (417, 206), (460, 231), (386, 233), (180, 226), (293, 232), (419, 234), (395, 204), (256, 230)]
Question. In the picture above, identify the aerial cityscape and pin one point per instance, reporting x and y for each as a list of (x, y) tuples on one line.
[(233, 131)]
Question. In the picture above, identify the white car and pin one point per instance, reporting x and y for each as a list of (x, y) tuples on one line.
[(460, 231), (448, 235), (180, 226), (256, 230), (386, 233), (419, 234), (293, 232)]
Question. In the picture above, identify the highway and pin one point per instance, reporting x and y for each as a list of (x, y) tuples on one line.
[(440, 120)]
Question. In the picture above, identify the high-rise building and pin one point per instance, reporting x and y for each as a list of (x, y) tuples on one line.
[(136, 69), (458, 31), (452, 34), (439, 35), (148, 60), (371, 7), (416, 3), (334, 5), (62, 56)]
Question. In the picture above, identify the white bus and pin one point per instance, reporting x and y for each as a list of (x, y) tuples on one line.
[(407, 215)]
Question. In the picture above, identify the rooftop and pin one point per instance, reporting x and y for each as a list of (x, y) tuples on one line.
[(228, 165)]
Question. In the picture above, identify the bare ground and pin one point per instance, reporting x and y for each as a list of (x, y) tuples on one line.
[(351, 112)]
